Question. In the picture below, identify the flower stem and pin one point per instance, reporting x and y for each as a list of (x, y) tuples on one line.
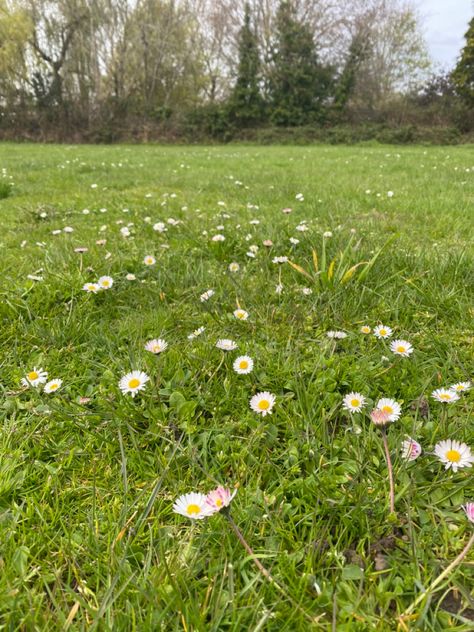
[(390, 471), (441, 576), (265, 572)]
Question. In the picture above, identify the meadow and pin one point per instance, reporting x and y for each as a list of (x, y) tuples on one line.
[(327, 241)]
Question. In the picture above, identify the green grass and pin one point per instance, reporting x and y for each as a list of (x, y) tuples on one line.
[(88, 539)]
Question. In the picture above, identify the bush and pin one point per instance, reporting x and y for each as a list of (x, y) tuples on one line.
[(5, 190)]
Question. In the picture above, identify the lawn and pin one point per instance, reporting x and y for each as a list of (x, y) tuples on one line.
[(89, 474)]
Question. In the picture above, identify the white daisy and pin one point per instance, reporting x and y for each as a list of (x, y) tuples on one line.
[(241, 314), (445, 395), (280, 259), (205, 296), (105, 282), (35, 377), (401, 347), (160, 227), (338, 335), (197, 332), (156, 345), (226, 345), (218, 238), (91, 287), (460, 387), (243, 365), (411, 449), (193, 506), (381, 331), (133, 382), (52, 386), (454, 454), (294, 241), (365, 329), (279, 288), (262, 403), (353, 402), (391, 407), (234, 267), (307, 291), (149, 260)]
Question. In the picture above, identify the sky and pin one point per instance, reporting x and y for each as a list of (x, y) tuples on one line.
[(445, 22)]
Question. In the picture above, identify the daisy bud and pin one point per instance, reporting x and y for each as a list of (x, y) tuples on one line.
[(380, 417)]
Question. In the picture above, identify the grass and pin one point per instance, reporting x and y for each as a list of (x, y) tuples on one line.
[(88, 539)]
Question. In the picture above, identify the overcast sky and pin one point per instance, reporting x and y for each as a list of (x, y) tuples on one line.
[(445, 22)]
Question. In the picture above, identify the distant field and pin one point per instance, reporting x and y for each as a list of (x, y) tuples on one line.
[(89, 475)]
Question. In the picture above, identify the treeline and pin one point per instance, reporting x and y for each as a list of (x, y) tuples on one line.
[(106, 70)]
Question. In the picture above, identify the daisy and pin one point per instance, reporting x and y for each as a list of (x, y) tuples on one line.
[(454, 454), (411, 449), (226, 345), (469, 509), (401, 347), (262, 403), (234, 267), (327, 234), (52, 386), (219, 498), (156, 345), (149, 260), (243, 365), (205, 296), (460, 387), (365, 329), (379, 417), (445, 395), (280, 259), (131, 277), (91, 287), (294, 241), (268, 243), (193, 506), (160, 227), (307, 291), (279, 288), (338, 335), (286, 211), (381, 331), (391, 407), (353, 402), (241, 314), (218, 238), (133, 382), (105, 282), (197, 332), (35, 377)]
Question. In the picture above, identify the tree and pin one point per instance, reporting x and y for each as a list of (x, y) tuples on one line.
[(246, 103), (463, 74), (345, 86), (298, 84)]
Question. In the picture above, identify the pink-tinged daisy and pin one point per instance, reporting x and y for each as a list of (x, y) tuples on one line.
[(219, 498), (469, 509), (460, 387), (35, 377), (91, 287), (391, 407), (262, 403), (226, 345), (193, 505), (241, 314), (379, 417), (133, 382), (149, 260), (105, 282), (243, 365), (445, 395), (156, 346), (381, 331), (52, 386), (401, 348), (365, 329), (454, 454), (353, 402), (411, 449)]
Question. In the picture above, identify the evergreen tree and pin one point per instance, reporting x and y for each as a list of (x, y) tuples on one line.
[(346, 83), (298, 84), (463, 74), (246, 103)]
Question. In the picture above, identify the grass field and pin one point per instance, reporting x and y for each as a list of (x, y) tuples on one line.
[(89, 475)]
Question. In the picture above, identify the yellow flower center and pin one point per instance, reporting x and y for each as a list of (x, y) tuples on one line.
[(219, 502), (401, 349), (134, 382), (383, 332), (264, 404), (53, 387), (459, 387), (355, 402), (387, 409), (105, 283), (244, 364), (453, 455), (33, 375), (365, 330), (193, 510), (445, 396)]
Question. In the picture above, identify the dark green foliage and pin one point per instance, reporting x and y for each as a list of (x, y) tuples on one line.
[(463, 74), (346, 83), (298, 83), (246, 103)]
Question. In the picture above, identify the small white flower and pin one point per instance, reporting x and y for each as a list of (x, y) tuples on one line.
[(454, 454), (205, 296), (131, 277), (338, 335), (307, 291), (328, 233), (218, 238), (411, 449), (365, 329), (280, 259), (381, 331), (390, 407), (91, 287), (160, 227), (35, 377), (241, 314), (149, 260), (193, 506), (460, 387), (445, 395), (226, 345), (52, 386), (401, 347), (105, 282), (279, 288), (299, 197), (302, 228), (68, 229), (197, 332), (389, 194), (353, 402), (294, 241), (156, 345), (133, 382), (262, 403), (243, 365), (234, 267)]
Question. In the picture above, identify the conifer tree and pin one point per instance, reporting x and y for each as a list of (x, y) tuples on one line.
[(463, 74)]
